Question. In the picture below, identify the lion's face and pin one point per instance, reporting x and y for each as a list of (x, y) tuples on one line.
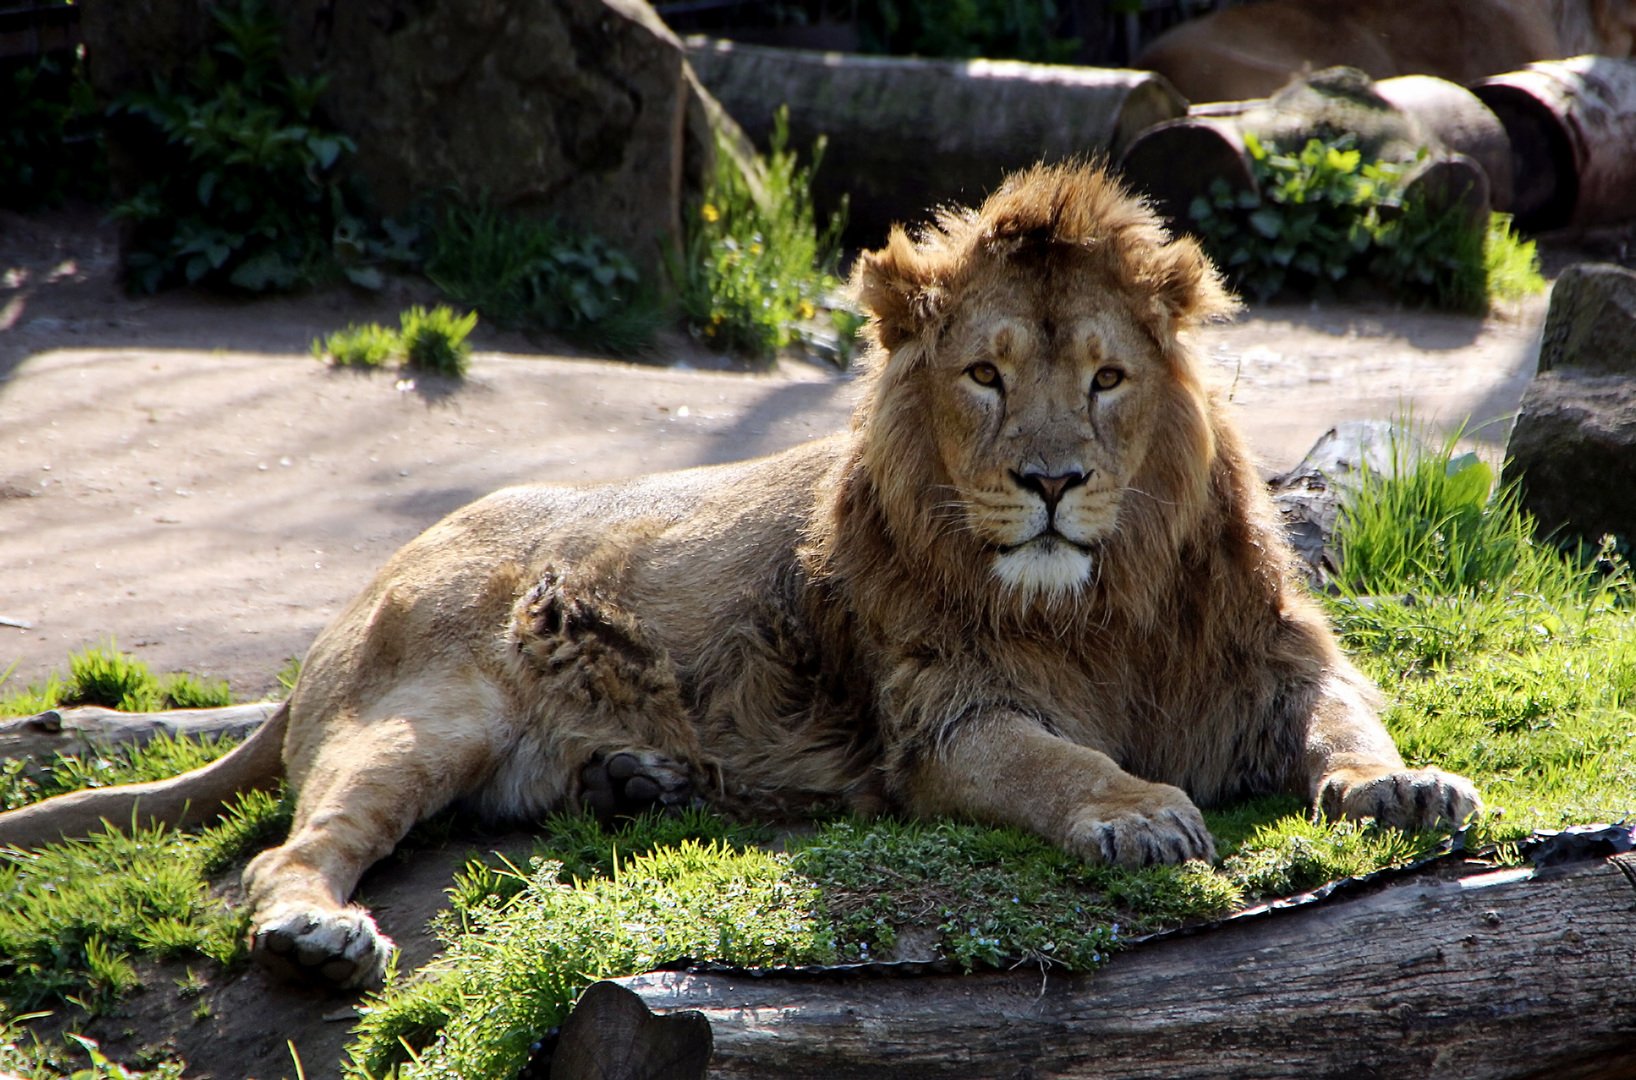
[(1034, 422), (1042, 411)]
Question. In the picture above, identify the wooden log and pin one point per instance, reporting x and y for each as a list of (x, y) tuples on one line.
[(905, 134), (1469, 164), (1508, 974), (81, 730), (1572, 127)]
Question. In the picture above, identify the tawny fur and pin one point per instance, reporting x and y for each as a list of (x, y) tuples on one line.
[(1253, 50), (1037, 583)]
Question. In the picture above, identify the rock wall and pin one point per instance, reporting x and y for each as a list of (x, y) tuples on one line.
[(580, 109)]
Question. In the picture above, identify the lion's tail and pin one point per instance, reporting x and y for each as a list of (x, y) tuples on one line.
[(188, 799)]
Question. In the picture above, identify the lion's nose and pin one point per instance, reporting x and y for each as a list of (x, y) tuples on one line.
[(1048, 487)]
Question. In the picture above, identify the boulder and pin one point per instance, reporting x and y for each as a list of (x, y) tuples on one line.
[(1573, 449), (580, 109)]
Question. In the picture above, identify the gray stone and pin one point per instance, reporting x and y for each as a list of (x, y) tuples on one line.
[(580, 109), (1573, 449)]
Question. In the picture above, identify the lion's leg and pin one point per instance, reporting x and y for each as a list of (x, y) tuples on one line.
[(1008, 770), (1354, 770), (359, 791)]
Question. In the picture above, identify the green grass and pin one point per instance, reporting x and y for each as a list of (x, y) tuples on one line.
[(369, 345), (435, 340), (102, 675)]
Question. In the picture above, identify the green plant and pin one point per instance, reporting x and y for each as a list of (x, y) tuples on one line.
[(435, 340), (35, 1059), (1017, 29), (754, 262), (530, 274), (50, 141), (361, 346), (243, 184), (1324, 214)]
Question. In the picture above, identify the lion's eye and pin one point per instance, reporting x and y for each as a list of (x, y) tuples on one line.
[(1107, 378), (984, 373)]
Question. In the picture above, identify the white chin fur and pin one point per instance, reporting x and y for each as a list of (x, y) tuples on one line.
[(1044, 568)]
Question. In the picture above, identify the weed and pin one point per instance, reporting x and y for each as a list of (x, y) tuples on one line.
[(367, 346), (530, 274), (244, 186), (755, 263), (435, 341), (288, 674), (1323, 214), (1031, 30), (34, 1058), (50, 144), (101, 675)]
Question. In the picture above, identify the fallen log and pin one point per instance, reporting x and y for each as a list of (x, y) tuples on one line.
[(89, 728), (906, 133), (1506, 974)]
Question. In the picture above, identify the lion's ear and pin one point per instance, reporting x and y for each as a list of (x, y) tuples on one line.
[(896, 287), (1186, 288)]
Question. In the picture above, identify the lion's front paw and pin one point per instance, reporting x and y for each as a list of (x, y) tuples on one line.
[(341, 948), (1403, 798), (1167, 828)]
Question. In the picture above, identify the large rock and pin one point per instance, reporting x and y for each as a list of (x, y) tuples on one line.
[(581, 109), (1573, 450)]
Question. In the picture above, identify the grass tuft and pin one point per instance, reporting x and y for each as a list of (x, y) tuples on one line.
[(367, 346), (435, 340)]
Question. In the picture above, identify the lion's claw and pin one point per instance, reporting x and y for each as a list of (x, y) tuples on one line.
[(1143, 837), (1402, 799)]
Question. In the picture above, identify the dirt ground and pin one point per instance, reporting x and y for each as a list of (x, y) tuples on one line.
[(178, 475)]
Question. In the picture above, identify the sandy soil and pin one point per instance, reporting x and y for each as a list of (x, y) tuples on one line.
[(177, 474)]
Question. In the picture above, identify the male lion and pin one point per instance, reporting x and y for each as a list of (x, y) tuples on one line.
[(1038, 583)]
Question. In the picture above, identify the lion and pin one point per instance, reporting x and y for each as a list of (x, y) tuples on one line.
[(1037, 584), (1254, 50)]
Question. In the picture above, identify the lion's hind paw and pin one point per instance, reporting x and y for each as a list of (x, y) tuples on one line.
[(341, 948), (631, 782)]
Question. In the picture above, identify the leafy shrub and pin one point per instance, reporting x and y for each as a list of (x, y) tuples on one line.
[(530, 274), (50, 144), (435, 340), (1016, 29), (1324, 214), (243, 187), (755, 262)]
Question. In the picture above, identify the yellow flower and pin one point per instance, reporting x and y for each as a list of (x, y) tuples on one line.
[(806, 310), (755, 249), (710, 213)]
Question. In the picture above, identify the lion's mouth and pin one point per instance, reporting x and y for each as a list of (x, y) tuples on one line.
[(1048, 540)]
